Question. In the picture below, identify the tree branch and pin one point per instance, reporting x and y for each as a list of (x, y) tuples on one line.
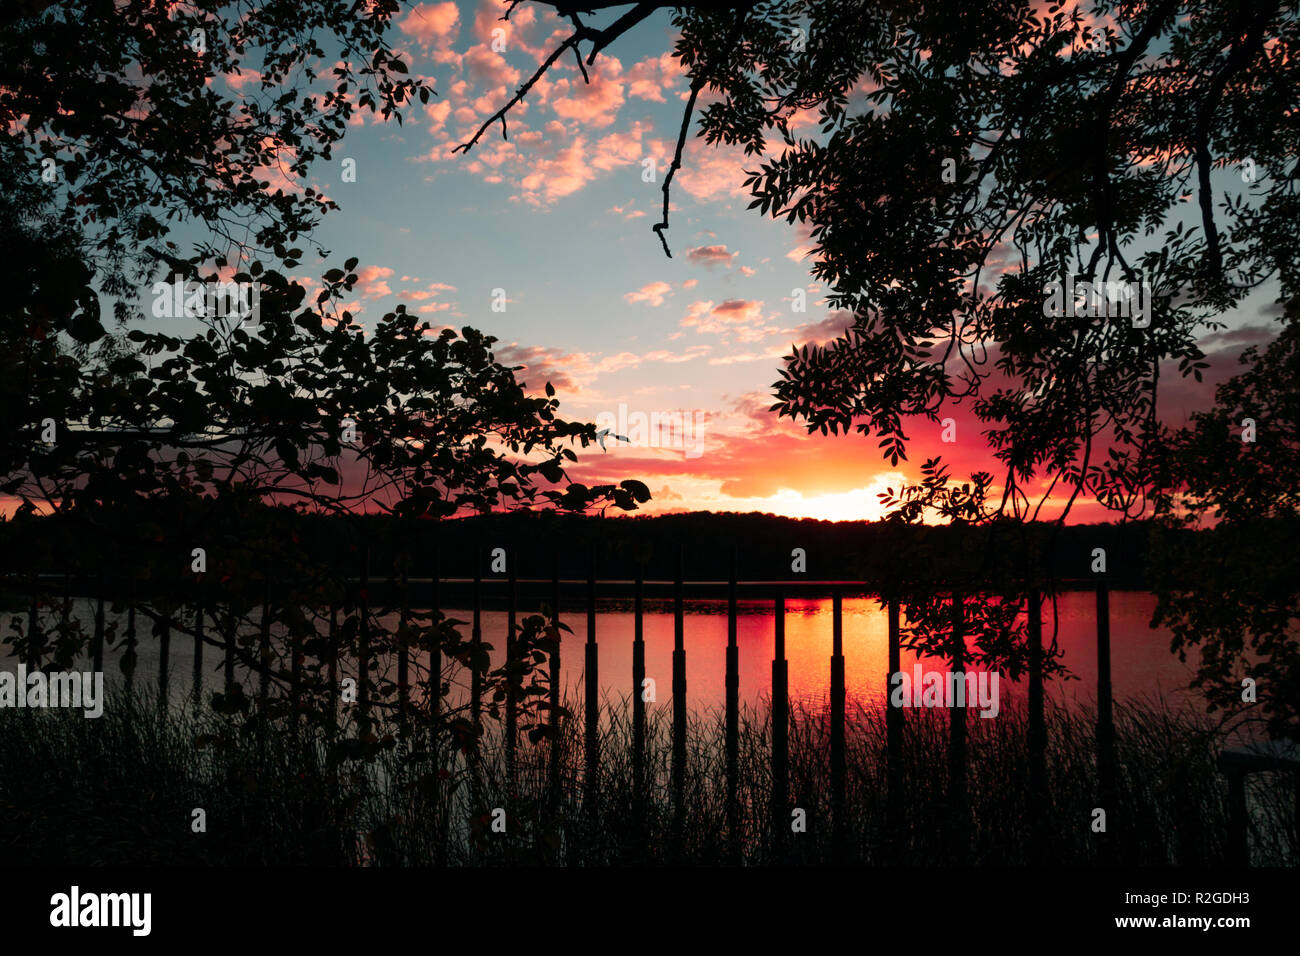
[(660, 226), (1239, 56), (696, 85)]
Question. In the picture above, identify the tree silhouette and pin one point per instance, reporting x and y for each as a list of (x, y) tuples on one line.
[(1233, 591), (967, 163), (146, 115), (169, 462), (966, 157)]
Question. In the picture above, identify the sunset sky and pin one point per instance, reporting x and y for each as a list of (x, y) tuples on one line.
[(559, 217)]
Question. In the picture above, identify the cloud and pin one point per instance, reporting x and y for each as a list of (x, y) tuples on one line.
[(710, 255), (593, 104), (648, 79), (567, 169), (653, 293), (371, 281), (729, 317), (438, 113), (432, 24), (516, 32), (826, 330), (430, 291), (489, 68), (712, 172), (560, 176), (575, 371), (738, 311)]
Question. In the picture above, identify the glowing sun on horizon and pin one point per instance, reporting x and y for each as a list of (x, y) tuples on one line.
[(860, 504)]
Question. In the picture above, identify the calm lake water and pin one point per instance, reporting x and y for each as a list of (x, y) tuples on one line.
[(1141, 663)]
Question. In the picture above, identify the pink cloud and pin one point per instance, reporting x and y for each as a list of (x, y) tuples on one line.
[(826, 330), (489, 27), (710, 255), (431, 291), (432, 23), (729, 317), (712, 172), (648, 79), (592, 104), (371, 281), (565, 170), (489, 68), (653, 293), (438, 113)]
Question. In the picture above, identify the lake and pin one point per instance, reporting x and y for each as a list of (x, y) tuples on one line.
[(1141, 663)]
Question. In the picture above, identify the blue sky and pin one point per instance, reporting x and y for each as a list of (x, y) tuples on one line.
[(559, 218)]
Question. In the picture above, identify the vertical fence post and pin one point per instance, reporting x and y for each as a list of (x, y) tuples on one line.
[(435, 652), (592, 693), (1238, 819), (403, 653), (1037, 725), (512, 700), (363, 649), (837, 723), (957, 735), (128, 652), (164, 629), (197, 692), (65, 610), (97, 642), (554, 689), (780, 734), (679, 701), (295, 675), (35, 639), (476, 639), (231, 627), (332, 667), (733, 714), (435, 701), (638, 691), (1105, 715), (264, 651), (894, 734)]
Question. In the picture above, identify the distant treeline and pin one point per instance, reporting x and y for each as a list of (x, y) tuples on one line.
[(764, 546)]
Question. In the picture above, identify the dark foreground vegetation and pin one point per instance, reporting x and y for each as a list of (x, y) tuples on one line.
[(122, 789)]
